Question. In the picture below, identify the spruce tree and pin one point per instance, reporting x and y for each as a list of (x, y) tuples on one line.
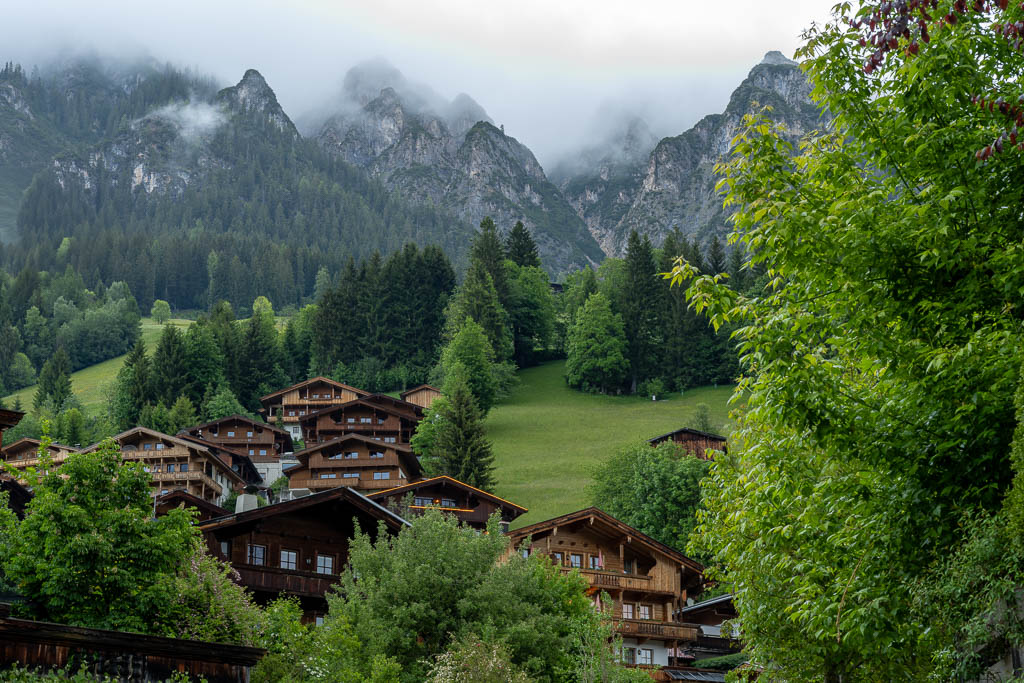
[(488, 252), (170, 366), (462, 450), (260, 358), (132, 389), (638, 305), (469, 354), (520, 247), (477, 299), (181, 415), (204, 364), (716, 256), (54, 381), (737, 274)]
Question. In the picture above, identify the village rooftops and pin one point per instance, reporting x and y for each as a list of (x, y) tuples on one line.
[(388, 404), (354, 460), (467, 503), (210, 431), (313, 380), (182, 498)]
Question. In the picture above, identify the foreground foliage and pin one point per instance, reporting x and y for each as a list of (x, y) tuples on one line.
[(865, 491)]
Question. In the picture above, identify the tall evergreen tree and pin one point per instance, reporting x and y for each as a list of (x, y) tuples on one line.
[(737, 274), (477, 299), (461, 449), (259, 361), (488, 252), (54, 381), (520, 247), (596, 348), (638, 306), (716, 256), (170, 366), (204, 363), (132, 389), (470, 354)]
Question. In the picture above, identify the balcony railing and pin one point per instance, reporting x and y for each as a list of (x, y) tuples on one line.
[(363, 484), (660, 629), (275, 579)]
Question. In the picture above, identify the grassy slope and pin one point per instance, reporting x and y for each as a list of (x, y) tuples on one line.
[(548, 438), (88, 383)]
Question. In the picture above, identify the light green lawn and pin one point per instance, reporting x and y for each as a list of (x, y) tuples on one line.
[(88, 383), (548, 438)]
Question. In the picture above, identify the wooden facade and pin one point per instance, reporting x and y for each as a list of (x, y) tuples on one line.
[(354, 461), (694, 441), (177, 463), (423, 395), (377, 416), (24, 453), (297, 547), (118, 655), (647, 581), (178, 498), (469, 505), (260, 441), (242, 464), (295, 402)]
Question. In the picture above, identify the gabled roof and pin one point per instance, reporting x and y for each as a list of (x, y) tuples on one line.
[(190, 501), (404, 452), (319, 378), (9, 418), (187, 442), (25, 441), (444, 479), (223, 451), (256, 423), (371, 401), (705, 604), (419, 388), (688, 430), (595, 514), (342, 492)]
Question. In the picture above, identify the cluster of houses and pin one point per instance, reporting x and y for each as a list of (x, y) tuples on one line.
[(295, 510)]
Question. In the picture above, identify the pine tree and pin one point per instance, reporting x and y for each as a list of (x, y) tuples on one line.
[(737, 274), (716, 256), (170, 366), (470, 355), (477, 299), (132, 388), (638, 305), (520, 247), (181, 415), (461, 449), (260, 357), (54, 381), (322, 283), (204, 364), (488, 252)]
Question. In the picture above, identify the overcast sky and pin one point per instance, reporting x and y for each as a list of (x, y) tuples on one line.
[(545, 69)]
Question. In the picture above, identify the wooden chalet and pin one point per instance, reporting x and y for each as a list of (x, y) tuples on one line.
[(647, 581), (694, 441), (240, 463), (377, 416), (8, 420), (423, 395), (469, 505), (179, 498), (297, 547), (262, 442), (177, 463), (355, 461), (118, 655), (299, 400), (24, 453)]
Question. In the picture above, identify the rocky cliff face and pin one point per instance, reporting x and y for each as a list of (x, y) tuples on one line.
[(450, 155), (674, 186)]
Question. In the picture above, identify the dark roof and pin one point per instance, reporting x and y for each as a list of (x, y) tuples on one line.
[(372, 401), (258, 423), (36, 442), (593, 512), (444, 479), (704, 604), (342, 492), (219, 451), (9, 418), (190, 500), (319, 378), (688, 430), (699, 675), (415, 389)]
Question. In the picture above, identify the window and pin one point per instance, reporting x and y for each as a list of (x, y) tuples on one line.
[(328, 475), (145, 468), (351, 475), (381, 475), (424, 502), (183, 467), (258, 555), (380, 420), (147, 446), (352, 455), (316, 395), (288, 558), (319, 621), (291, 413), (377, 454), (629, 655), (163, 492), (576, 560), (302, 412), (156, 468), (159, 446), (336, 456), (389, 439), (645, 656), (252, 452), (643, 611), (231, 433), (249, 434), (263, 451), (627, 611), (595, 561), (524, 553), (559, 558), (366, 420), (324, 564), (351, 419), (447, 503), (170, 467), (629, 566), (225, 549)]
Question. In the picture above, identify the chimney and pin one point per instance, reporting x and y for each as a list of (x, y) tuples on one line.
[(246, 502)]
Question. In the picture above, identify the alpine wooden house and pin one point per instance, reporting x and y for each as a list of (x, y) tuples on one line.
[(241, 464), (295, 402), (263, 443), (377, 416), (355, 461), (694, 441), (469, 505), (647, 581), (297, 547), (177, 463), (423, 395), (178, 498), (24, 453)]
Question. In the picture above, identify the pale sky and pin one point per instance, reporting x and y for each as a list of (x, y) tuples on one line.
[(544, 69)]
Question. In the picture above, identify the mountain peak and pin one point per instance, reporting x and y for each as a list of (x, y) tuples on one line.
[(254, 94), (776, 58)]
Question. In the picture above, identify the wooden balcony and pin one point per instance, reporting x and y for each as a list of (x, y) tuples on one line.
[(642, 628), (198, 477), (276, 580), (360, 484)]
